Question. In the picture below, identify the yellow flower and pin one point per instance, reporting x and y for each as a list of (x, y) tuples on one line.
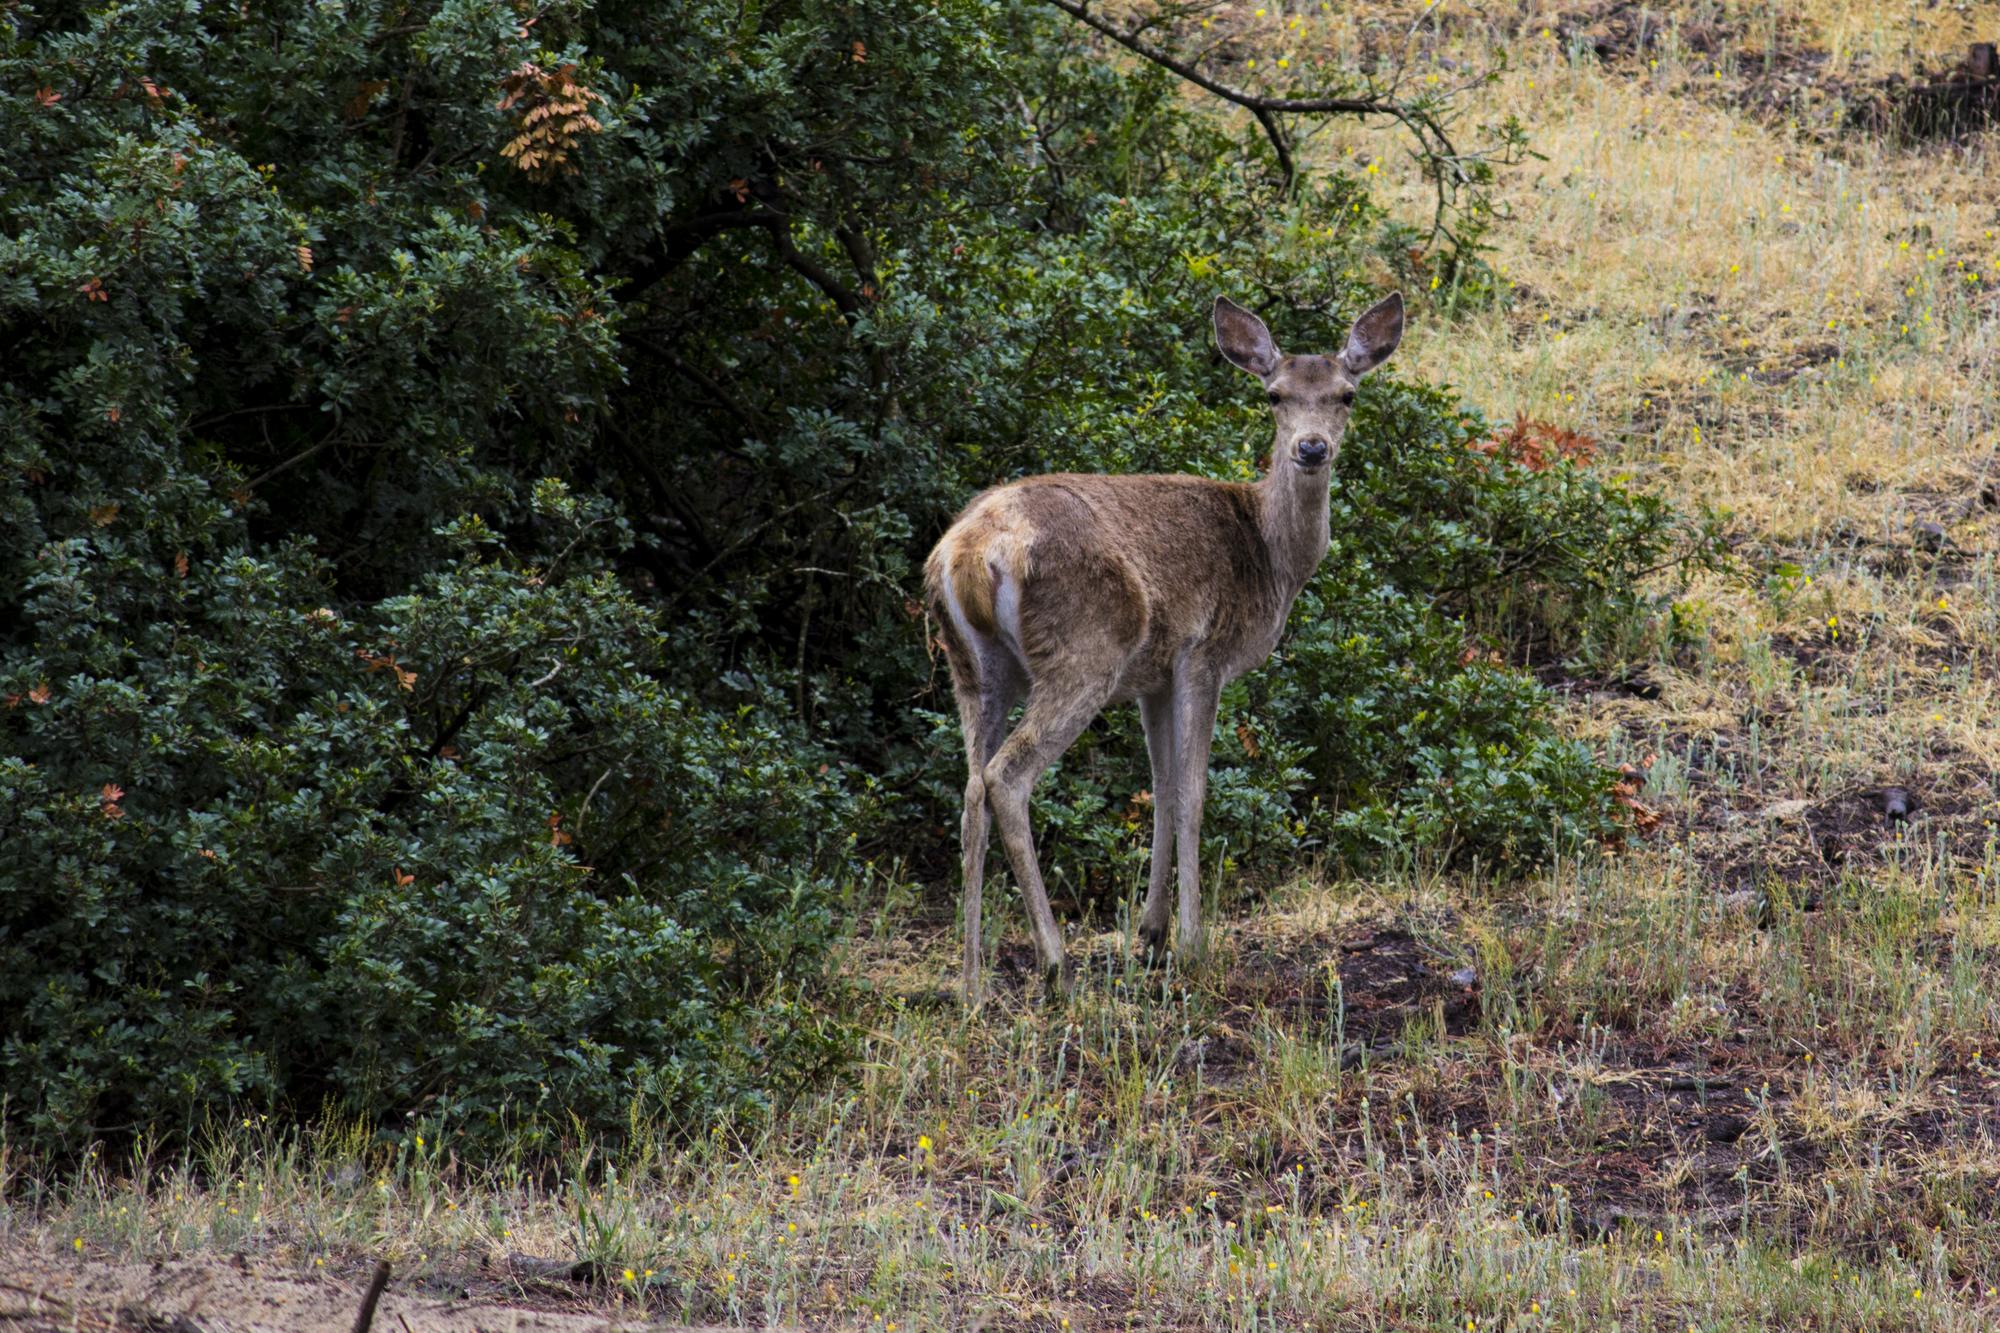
[(924, 1142), (79, 1245), (631, 1276)]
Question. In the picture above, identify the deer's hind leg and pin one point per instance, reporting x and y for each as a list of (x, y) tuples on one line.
[(987, 684), (1060, 705)]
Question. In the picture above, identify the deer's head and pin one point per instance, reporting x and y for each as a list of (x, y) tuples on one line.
[(1310, 395)]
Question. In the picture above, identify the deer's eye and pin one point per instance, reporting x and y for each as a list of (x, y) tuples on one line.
[(1347, 399), (1273, 396)]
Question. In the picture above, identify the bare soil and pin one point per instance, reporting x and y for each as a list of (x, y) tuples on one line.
[(239, 1294)]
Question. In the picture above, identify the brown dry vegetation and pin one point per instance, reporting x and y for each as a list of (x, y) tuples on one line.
[(1747, 1077)]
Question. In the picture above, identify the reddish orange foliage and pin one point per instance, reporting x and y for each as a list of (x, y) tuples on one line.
[(1537, 445)]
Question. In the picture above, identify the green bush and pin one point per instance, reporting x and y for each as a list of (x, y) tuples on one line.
[(465, 483), (266, 851)]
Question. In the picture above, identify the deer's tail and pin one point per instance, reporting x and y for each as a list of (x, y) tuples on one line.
[(986, 547)]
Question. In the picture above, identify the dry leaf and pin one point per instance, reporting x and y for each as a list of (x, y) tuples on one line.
[(1537, 445), (357, 105), (552, 114)]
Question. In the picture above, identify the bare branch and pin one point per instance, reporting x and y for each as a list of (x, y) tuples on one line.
[(1358, 106), (1437, 156), (1276, 135)]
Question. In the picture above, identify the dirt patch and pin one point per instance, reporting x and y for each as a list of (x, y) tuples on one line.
[(70, 1291), (1950, 105), (1382, 975)]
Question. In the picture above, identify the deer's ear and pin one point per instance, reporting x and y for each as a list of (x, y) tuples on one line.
[(1244, 340), (1373, 336)]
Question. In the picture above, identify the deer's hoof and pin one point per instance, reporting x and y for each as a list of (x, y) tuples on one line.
[(1153, 946)]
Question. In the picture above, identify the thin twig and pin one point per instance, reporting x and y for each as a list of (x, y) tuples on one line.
[(289, 464), (583, 810), (364, 1319)]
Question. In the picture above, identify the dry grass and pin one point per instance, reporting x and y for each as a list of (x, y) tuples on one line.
[(1744, 1079)]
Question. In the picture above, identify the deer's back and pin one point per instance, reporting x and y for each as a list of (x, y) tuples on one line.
[(1079, 571)]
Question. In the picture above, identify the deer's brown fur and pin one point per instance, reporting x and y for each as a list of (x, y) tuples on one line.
[(1081, 591)]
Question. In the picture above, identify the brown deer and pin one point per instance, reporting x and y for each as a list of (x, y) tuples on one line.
[(1081, 591)]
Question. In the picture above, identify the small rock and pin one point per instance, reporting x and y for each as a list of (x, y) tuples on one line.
[(1465, 976), (1930, 536), (1895, 805)]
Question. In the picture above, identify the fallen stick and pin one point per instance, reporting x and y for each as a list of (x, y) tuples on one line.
[(365, 1318)]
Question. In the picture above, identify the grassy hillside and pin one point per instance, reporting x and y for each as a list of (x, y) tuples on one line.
[(1746, 1076)]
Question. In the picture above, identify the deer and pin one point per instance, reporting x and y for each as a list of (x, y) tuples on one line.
[(1079, 591)]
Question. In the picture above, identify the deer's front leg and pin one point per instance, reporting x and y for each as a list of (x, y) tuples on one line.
[(1196, 699), (1156, 711)]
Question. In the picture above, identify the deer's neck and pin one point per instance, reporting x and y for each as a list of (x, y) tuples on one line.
[(1293, 515)]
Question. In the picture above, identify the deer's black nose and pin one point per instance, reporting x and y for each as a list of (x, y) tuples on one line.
[(1313, 450)]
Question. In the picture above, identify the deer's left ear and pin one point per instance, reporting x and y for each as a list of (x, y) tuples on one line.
[(1373, 336)]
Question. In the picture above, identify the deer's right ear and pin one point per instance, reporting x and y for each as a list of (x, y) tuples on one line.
[(1244, 340)]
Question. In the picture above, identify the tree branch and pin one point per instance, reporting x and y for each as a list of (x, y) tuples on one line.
[(808, 268), (1276, 135), (1438, 157), (1357, 106), (678, 240)]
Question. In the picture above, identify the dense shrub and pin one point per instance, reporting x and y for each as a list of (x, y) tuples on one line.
[(465, 476)]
